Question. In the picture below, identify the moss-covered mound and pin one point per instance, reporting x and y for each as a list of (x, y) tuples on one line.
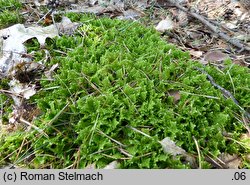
[(10, 13), (118, 83)]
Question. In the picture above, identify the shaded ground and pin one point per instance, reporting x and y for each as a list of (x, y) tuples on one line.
[(230, 17)]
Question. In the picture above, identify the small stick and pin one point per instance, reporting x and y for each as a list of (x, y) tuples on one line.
[(234, 42), (215, 163), (49, 12), (226, 93)]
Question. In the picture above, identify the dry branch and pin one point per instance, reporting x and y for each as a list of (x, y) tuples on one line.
[(216, 30)]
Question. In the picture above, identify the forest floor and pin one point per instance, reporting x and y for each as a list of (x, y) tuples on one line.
[(212, 32)]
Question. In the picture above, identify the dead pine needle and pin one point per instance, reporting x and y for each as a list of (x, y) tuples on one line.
[(125, 152), (198, 150), (35, 127), (117, 142), (58, 114), (20, 149), (134, 129), (93, 129), (215, 163)]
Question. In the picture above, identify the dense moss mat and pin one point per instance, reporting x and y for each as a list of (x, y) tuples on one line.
[(10, 13), (116, 75)]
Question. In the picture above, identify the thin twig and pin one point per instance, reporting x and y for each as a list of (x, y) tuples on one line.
[(10, 92), (214, 162), (49, 12), (225, 92), (234, 42)]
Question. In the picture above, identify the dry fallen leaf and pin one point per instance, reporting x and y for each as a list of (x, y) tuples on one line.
[(19, 90), (90, 167), (130, 14), (49, 73), (112, 165), (92, 2), (231, 161), (166, 24), (175, 94), (48, 19), (183, 18), (66, 27), (196, 54), (247, 157), (215, 56), (168, 3), (170, 147), (13, 45)]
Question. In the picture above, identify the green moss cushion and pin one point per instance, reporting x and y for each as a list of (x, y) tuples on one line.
[(116, 75)]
